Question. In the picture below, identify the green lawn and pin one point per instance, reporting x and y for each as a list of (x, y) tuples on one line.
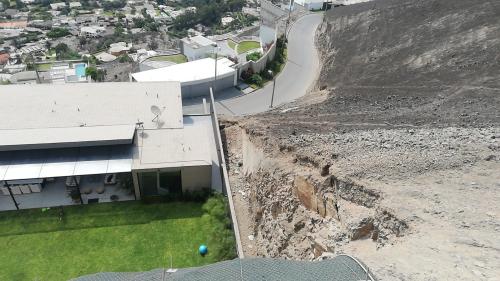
[(245, 46), (231, 44), (123, 236), (173, 58), (44, 66)]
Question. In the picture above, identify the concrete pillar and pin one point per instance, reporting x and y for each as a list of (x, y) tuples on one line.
[(137, 190)]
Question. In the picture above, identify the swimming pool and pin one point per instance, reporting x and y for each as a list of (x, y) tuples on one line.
[(80, 69)]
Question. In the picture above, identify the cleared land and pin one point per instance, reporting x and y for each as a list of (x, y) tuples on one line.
[(172, 58), (125, 236), (396, 160), (245, 46)]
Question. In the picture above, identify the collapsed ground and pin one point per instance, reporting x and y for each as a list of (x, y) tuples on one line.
[(395, 159)]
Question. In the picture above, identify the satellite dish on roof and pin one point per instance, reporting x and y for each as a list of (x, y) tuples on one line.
[(155, 110)]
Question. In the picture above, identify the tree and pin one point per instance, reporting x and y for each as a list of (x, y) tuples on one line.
[(57, 32), (153, 45), (19, 4), (124, 58), (61, 48), (95, 74)]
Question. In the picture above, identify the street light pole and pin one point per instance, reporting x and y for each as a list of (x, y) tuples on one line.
[(288, 19), (215, 74), (274, 86)]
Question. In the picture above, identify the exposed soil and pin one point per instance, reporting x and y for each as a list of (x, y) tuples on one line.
[(397, 159)]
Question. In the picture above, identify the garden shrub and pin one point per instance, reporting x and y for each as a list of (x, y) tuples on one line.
[(256, 79), (255, 56)]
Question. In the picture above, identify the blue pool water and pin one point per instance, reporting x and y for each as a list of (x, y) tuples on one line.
[(80, 69)]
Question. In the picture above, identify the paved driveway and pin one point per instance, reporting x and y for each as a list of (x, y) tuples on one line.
[(293, 82)]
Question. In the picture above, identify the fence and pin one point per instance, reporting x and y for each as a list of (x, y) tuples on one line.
[(225, 176)]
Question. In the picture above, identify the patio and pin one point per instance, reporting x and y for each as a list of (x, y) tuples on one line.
[(56, 193)]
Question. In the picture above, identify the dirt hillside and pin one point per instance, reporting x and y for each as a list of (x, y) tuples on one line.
[(396, 160)]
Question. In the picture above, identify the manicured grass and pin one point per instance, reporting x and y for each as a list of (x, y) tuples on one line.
[(231, 44), (123, 236), (246, 46), (44, 66), (173, 58)]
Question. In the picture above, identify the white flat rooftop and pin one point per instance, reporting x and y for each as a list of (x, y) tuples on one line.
[(89, 104), (197, 70), (191, 146), (44, 138), (198, 41)]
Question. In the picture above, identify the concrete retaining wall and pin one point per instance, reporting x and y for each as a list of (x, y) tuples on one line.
[(225, 175), (258, 66)]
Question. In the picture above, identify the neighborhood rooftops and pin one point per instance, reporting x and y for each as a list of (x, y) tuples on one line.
[(192, 71)]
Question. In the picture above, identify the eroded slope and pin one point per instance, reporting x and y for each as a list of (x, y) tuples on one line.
[(396, 159)]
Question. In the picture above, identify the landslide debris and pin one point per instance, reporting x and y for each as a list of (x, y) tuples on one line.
[(396, 159)]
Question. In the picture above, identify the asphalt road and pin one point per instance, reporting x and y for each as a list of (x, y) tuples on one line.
[(293, 82)]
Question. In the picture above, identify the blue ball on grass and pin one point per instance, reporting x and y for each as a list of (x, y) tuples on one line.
[(203, 250)]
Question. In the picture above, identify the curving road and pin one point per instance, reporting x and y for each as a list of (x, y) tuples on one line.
[(293, 82)]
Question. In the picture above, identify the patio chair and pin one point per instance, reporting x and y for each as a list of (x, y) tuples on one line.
[(110, 179)]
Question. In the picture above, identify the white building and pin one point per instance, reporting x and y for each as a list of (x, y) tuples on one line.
[(197, 47), (92, 31), (58, 6), (226, 20), (65, 73), (72, 144), (119, 48), (74, 5), (196, 77), (310, 4)]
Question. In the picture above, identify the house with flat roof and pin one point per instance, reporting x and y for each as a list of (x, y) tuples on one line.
[(69, 144), (197, 47), (196, 77)]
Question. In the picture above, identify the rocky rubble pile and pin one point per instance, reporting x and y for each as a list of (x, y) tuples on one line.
[(407, 152)]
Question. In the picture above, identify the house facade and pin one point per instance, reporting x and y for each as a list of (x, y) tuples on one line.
[(197, 47)]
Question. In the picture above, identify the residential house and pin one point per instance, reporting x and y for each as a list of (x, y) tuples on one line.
[(197, 47), (75, 5), (74, 144), (196, 77), (92, 31), (58, 6), (120, 48)]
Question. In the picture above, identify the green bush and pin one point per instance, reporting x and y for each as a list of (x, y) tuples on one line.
[(124, 58), (255, 56), (256, 79), (57, 32)]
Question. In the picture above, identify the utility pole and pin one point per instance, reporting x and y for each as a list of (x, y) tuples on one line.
[(274, 86), (215, 74), (288, 19)]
